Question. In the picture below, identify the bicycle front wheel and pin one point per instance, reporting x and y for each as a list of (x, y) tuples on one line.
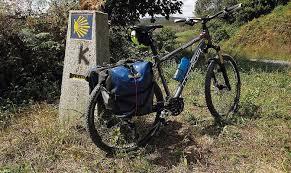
[(222, 88)]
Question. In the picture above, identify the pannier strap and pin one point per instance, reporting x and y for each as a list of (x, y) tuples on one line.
[(126, 63)]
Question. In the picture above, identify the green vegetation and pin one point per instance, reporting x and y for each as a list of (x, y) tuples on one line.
[(258, 140), (251, 9), (185, 36), (32, 51), (268, 37), (166, 39)]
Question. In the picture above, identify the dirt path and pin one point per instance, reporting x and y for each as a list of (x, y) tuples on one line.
[(275, 62)]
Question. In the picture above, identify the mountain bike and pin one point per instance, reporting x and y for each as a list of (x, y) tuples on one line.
[(222, 93)]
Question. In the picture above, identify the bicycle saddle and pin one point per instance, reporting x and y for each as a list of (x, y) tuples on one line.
[(147, 28)]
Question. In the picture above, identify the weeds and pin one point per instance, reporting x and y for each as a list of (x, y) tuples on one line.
[(267, 37)]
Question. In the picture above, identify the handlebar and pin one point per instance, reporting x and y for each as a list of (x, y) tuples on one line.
[(189, 21), (179, 20), (192, 21)]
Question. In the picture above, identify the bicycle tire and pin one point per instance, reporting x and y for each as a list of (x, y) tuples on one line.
[(210, 76), (96, 99)]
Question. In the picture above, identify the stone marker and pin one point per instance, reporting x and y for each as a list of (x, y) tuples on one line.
[(87, 45)]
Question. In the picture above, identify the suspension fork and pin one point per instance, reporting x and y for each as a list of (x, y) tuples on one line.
[(223, 70), (222, 67)]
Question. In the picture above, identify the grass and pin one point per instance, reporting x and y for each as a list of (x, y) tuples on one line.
[(267, 37), (257, 140)]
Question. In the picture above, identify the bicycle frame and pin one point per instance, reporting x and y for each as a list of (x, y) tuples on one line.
[(205, 43)]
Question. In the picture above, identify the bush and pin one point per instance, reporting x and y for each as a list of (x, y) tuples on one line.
[(219, 30), (166, 39), (220, 34), (119, 45), (32, 51), (31, 66), (254, 9)]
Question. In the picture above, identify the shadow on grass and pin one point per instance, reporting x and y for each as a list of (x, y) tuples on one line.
[(241, 117), (174, 143), (213, 130)]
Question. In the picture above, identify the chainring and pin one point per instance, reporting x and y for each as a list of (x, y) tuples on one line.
[(175, 106)]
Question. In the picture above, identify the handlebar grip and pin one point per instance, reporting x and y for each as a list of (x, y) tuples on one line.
[(235, 7), (160, 26), (179, 20)]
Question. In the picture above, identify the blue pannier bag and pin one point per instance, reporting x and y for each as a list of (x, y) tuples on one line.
[(129, 87)]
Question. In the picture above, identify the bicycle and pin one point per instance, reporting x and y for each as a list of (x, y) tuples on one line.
[(112, 133)]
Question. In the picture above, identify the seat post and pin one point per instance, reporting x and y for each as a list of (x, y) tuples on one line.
[(153, 47)]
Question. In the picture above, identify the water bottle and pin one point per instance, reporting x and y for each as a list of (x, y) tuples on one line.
[(182, 69)]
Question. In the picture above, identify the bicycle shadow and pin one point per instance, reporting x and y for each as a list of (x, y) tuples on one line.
[(213, 130), (174, 143)]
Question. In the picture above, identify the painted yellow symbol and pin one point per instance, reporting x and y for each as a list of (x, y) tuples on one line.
[(81, 26)]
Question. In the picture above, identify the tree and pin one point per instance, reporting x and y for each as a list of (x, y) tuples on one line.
[(205, 7), (128, 12)]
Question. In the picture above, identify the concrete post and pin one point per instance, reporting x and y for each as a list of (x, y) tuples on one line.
[(87, 45)]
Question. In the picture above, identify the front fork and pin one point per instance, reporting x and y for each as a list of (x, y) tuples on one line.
[(221, 63)]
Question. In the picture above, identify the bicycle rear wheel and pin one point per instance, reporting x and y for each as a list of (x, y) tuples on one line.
[(112, 133), (222, 99)]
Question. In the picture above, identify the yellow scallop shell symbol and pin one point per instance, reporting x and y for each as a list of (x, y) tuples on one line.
[(81, 26)]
